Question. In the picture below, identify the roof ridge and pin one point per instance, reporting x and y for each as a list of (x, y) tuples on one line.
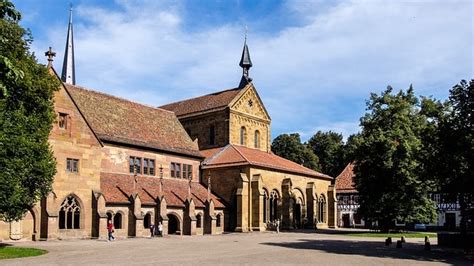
[(116, 97), (245, 158), (216, 154), (201, 96)]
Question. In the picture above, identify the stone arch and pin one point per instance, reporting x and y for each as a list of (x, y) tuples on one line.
[(322, 209), (71, 213), (147, 219), (298, 195), (118, 220), (219, 220), (174, 223), (199, 220), (274, 203)]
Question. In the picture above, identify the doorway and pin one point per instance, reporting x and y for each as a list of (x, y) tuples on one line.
[(450, 221), (173, 224), (346, 221)]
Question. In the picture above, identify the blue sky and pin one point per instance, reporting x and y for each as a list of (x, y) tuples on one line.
[(315, 62)]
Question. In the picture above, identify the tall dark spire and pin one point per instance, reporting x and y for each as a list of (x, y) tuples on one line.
[(245, 64), (69, 72)]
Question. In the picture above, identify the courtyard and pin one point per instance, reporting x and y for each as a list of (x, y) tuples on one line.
[(305, 247)]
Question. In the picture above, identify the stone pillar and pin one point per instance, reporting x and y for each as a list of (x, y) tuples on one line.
[(332, 207), (311, 202), (210, 218), (257, 203), (242, 204), (163, 214), (140, 231), (101, 216), (51, 219), (189, 219), (287, 212)]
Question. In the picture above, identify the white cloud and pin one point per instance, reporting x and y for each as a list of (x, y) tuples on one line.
[(307, 75)]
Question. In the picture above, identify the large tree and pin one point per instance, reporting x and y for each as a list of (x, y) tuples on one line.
[(388, 169), (329, 147), (27, 165), (456, 156), (291, 148)]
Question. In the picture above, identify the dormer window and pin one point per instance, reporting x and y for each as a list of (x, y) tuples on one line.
[(62, 123)]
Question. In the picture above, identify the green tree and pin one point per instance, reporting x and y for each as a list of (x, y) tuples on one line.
[(291, 148), (456, 154), (329, 147), (27, 165), (388, 169), (350, 148)]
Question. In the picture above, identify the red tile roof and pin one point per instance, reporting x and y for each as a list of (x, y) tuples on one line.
[(210, 102), (345, 180), (233, 155), (118, 188), (118, 120)]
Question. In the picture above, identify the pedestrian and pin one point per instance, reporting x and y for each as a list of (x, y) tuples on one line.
[(152, 230), (160, 229), (277, 225), (110, 230)]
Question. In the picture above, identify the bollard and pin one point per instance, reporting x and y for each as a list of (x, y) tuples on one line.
[(427, 239), (427, 246), (399, 244), (403, 239)]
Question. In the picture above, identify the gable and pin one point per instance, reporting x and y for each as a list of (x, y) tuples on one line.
[(248, 102)]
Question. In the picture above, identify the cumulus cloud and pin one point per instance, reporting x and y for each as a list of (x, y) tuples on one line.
[(312, 76)]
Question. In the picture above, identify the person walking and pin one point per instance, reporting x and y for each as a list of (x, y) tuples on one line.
[(110, 230), (278, 226), (160, 229), (152, 230)]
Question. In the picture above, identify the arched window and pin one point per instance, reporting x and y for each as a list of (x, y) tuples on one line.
[(322, 209), (212, 135), (257, 139), (199, 221), (265, 206), (218, 220), (147, 220), (118, 220), (243, 136), (273, 205), (70, 214)]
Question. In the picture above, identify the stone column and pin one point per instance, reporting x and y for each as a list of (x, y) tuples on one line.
[(138, 215), (209, 218), (51, 216), (287, 212), (163, 214), (101, 215), (242, 204), (311, 204), (332, 207), (257, 203), (189, 219)]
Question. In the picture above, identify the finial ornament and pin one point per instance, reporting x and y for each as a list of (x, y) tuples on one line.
[(245, 63), (50, 54), (209, 185)]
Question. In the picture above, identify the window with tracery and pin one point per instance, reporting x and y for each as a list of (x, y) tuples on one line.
[(70, 214), (322, 209), (273, 205)]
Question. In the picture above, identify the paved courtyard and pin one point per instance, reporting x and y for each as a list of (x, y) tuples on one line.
[(253, 248)]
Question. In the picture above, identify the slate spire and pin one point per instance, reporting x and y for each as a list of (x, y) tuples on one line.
[(69, 72), (245, 64)]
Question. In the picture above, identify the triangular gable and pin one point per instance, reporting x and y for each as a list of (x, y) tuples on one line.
[(63, 87), (249, 102)]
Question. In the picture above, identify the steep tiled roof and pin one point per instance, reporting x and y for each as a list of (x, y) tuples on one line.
[(233, 155), (118, 120), (118, 188), (210, 102), (345, 180)]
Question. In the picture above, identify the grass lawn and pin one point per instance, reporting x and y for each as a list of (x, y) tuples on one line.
[(8, 252), (394, 235)]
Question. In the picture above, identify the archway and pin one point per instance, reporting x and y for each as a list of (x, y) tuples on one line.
[(297, 213), (173, 224)]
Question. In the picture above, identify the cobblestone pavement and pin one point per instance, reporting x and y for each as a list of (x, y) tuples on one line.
[(239, 248)]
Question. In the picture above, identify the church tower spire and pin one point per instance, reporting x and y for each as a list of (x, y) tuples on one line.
[(69, 72), (245, 64)]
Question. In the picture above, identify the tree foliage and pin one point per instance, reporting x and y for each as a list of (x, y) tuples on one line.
[(291, 148), (329, 147), (388, 167), (27, 165)]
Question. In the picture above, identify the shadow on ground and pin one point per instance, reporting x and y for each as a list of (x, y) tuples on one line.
[(410, 251)]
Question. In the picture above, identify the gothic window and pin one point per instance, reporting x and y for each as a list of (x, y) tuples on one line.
[(199, 221), (62, 121), (243, 136), (212, 135), (273, 205), (69, 214), (118, 220), (218, 220), (322, 209), (72, 165), (257, 139)]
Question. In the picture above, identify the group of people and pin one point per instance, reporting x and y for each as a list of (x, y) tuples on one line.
[(154, 230), (274, 225)]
